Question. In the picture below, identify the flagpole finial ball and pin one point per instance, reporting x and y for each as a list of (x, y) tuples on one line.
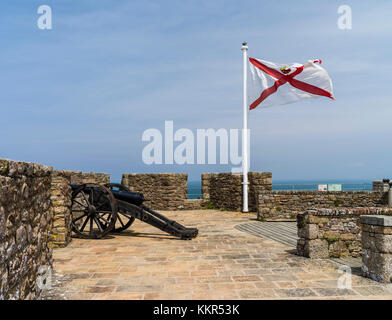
[(244, 46)]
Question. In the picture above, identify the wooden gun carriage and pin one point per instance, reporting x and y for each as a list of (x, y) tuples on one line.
[(97, 210)]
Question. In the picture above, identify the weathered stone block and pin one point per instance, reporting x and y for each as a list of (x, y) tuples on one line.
[(377, 266), (367, 239), (3, 167), (347, 237), (373, 220), (382, 243), (310, 231), (331, 235), (337, 249), (316, 249)]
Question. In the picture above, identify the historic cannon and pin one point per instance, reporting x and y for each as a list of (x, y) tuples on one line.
[(98, 209)]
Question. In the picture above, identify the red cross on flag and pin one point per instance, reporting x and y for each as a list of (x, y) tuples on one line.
[(274, 84)]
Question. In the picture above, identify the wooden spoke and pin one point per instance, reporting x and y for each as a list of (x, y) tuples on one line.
[(98, 224), (102, 218), (85, 198), (77, 219), (83, 205), (91, 226), (84, 224), (119, 219)]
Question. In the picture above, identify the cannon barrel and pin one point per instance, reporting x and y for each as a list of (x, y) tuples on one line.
[(127, 196), (130, 197)]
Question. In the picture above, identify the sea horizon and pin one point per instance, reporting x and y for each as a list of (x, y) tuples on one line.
[(194, 186)]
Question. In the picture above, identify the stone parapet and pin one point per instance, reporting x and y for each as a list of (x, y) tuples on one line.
[(332, 233), (225, 190), (285, 205), (79, 177), (164, 191)]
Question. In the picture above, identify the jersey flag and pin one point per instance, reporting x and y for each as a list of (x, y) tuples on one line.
[(275, 84)]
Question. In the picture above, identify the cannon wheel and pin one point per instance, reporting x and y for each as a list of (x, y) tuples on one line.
[(124, 219), (93, 211)]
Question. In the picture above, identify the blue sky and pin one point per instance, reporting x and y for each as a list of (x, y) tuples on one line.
[(80, 95)]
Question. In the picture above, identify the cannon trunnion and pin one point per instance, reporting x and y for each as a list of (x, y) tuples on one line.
[(100, 209)]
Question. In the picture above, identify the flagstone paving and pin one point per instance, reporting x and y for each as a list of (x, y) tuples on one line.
[(223, 262)]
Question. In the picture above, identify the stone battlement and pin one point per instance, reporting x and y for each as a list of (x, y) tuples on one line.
[(285, 205)]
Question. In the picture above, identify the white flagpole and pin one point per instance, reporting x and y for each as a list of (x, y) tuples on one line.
[(244, 49)]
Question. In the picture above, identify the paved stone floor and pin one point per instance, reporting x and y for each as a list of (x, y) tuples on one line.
[(221, 263)]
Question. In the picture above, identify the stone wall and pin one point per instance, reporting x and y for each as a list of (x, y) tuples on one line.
[(327, 233), (285, 205), (79, 177), (164, 191), (61, 199), (25, 226), (224, 190)]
